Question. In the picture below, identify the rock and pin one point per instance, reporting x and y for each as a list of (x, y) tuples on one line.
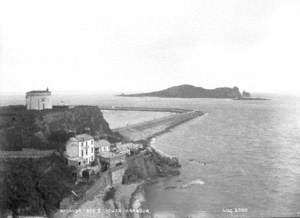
[(150, 164)]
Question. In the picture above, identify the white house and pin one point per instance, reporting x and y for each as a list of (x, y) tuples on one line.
[(80, 150), (38, 100), (122, 148), (102, 146), (125, 148)]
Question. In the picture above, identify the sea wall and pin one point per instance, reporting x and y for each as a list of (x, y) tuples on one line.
[(148, 129), (171, 110)]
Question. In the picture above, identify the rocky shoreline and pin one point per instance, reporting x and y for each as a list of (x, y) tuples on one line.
[(128, 199), (142, 171)]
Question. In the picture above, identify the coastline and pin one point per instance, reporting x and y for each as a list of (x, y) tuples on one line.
[(129, 199)]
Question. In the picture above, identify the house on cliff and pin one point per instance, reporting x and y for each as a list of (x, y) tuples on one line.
[(114, 164), (110, 159), (128, 148), (122, 148), (80, 150), (38, 100), (102, 146)]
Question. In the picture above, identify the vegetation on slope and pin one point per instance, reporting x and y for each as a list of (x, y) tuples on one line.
[(34, 186), (50, 129)]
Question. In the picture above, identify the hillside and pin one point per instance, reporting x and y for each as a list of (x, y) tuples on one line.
[(189, 91), (34, 186), (21, 128)]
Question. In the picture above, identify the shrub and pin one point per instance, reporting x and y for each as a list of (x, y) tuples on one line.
[(109, 194)]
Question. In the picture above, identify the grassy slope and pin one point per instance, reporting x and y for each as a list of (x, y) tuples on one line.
[(50, 128)]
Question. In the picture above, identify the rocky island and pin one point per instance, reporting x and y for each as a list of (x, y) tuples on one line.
[(190, 91)]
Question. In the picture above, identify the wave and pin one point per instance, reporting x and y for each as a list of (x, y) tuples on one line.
[(193, 182)]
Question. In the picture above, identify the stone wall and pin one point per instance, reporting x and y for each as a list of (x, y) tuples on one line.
[(117, 175)]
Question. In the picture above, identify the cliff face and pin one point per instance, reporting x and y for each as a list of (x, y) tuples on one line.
[(149, 164), (50, 128), (140, 169), (189, 91)]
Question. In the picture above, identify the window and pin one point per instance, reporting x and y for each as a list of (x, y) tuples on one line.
[(86, 151), (82, 153), (92, 141), (91, 149)]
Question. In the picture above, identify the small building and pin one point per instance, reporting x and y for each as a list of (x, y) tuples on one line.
[(125, 148), (38, 100), (102, 146), (80, 150), (109, 160), (122, 149), (117, 174)]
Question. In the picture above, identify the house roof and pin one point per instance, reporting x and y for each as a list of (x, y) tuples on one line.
[(39, 91), (122, 147), (74, 158), (72, 139), (102, 143), (84, 137), (111, 155), (80, 138)]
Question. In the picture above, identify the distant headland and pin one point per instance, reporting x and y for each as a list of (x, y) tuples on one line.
[(190, 91)]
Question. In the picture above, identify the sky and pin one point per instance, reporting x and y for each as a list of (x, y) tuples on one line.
[(132, 46)]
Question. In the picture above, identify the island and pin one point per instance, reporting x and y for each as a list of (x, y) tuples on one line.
[(190, 91)]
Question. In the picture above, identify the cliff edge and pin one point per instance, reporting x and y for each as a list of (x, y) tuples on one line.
[(49, 129)]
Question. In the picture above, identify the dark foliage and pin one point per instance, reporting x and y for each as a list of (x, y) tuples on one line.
[(109, 194), (50, 129), (35, 187)]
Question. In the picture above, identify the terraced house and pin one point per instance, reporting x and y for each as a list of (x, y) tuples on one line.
[(80, 150)]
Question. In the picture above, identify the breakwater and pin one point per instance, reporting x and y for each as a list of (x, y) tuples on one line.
[(149, 129), (116, 108)]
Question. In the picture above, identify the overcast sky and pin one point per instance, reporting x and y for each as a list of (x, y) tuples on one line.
[(141, 45)]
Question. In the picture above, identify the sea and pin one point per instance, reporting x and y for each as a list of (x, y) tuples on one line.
[(241, 159)]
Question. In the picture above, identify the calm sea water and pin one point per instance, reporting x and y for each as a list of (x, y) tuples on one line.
[(242, 155), (119, 119)]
